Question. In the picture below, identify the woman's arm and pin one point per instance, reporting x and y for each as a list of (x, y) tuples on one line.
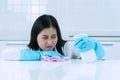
[(20, 54), (70, 51), (31, 55), (10, 54)]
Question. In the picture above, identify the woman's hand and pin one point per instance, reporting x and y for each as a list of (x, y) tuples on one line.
[(86, 43)]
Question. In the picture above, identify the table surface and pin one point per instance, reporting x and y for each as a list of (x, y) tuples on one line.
[(73, 69)]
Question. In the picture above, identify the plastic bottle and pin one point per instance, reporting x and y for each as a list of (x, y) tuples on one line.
[(87, 56)]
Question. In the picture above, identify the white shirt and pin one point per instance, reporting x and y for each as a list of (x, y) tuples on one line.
[(70, 51)]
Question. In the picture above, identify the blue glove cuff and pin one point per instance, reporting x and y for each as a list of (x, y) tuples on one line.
[(30, 55), (99, 50)]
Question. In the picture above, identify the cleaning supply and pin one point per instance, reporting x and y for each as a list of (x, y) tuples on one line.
[(86, 47)]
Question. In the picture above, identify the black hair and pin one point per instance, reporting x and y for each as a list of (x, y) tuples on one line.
[(41, 23)]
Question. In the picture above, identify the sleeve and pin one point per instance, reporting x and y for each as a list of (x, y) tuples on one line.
[(70, 51), (10, 54)]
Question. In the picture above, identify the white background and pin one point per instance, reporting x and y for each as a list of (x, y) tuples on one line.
[(94, 17)]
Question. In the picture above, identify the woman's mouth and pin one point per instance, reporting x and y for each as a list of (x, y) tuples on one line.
[(49, 47)]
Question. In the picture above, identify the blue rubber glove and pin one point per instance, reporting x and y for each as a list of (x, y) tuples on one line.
[(51, 54), (30, 55), (85, 43)]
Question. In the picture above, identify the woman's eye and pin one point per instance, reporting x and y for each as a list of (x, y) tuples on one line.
[(45, 38), (53, 37)]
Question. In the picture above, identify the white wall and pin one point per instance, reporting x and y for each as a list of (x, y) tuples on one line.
[(95, 17), (13, 20)]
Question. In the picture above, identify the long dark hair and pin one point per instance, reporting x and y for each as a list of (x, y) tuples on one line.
[(42, 22)]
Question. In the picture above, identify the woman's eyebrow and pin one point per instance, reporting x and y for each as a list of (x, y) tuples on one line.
[(51, 35), (54, 34), (45, 35)]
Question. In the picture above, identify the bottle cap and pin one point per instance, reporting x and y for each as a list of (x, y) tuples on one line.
[(79, 35)]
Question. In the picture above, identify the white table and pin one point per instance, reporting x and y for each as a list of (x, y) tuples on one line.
[(73, 69)]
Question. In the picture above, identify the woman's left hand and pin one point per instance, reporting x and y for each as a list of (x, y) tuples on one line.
[(86, 43)]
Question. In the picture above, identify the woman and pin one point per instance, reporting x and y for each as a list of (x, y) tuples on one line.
[(46, 43)]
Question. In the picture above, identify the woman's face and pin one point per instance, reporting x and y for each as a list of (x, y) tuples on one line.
[(47, 39)]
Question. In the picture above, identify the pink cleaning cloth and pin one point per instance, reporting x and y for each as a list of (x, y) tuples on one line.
[(54, 59)]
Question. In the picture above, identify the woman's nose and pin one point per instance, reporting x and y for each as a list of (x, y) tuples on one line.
[(50, 41)]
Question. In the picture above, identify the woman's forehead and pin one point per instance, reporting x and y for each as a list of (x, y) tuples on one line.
[(50, 30)]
